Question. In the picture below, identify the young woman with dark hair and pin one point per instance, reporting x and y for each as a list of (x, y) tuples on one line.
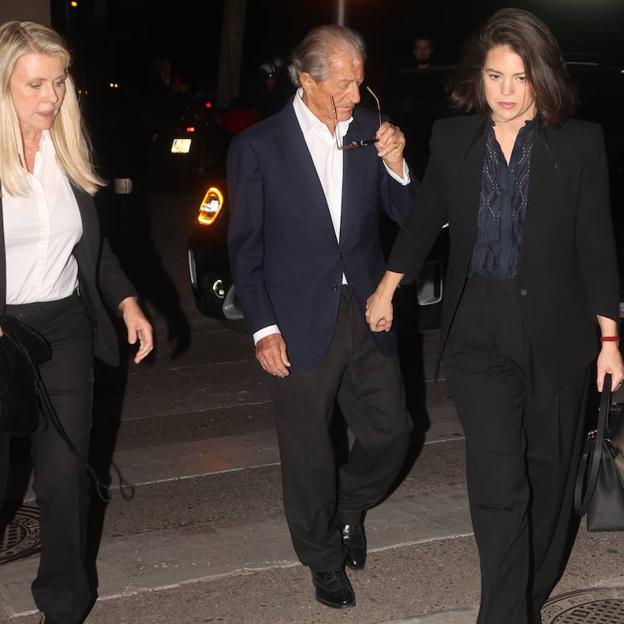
[(532, 283)]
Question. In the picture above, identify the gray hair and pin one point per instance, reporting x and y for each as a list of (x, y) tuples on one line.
[(313, 54)]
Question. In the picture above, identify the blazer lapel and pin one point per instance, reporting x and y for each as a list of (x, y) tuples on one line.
[(82, 199), (303, 174), (468, 191), (542, 177), (86, 247), (354, 168)]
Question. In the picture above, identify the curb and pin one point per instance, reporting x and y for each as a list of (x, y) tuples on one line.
[(446, 617)]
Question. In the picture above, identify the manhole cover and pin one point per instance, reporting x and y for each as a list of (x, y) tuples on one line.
[(21, 535), (599, 606)]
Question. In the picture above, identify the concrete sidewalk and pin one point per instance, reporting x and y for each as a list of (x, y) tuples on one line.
[(446, 617)]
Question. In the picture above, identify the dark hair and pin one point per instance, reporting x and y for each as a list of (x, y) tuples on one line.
[(534, 43)]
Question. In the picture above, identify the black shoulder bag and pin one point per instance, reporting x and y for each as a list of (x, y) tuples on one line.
[(599, 490)]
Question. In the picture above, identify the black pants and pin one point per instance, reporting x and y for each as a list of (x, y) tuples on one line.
[(523, 443), (61, 589), (369, 391)]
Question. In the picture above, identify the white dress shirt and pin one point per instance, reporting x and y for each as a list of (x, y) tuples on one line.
[(40, 232), (327, 159)]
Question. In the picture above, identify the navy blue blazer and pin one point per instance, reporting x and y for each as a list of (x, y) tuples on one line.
[(287, 264), (100, 278)]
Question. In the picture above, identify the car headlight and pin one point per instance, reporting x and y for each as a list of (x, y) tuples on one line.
[(211, 206)]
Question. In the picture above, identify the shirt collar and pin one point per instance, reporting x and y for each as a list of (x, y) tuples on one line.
[(309, 121)]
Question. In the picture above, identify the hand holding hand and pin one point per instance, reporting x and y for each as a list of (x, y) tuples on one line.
[(271, 353), (139, 328), (379, 312)]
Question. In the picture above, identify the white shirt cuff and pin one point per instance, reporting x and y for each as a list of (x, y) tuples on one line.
[(405, 180), (264, 332)]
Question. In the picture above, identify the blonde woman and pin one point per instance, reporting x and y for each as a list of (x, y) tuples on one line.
[(55, 275)]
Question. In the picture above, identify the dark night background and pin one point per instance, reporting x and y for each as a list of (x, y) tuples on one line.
[(116, 40)]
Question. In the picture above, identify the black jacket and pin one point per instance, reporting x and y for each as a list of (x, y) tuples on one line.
[(568, 268), (98, 272)]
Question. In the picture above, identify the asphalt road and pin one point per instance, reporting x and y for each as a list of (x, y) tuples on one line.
[(204, 538)]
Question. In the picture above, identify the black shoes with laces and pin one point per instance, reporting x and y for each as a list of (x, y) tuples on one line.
[(333, 589)]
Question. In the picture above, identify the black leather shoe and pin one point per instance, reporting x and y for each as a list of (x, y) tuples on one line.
[(354, 544), (333, 589)]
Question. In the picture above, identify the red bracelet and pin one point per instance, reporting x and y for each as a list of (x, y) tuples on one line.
[(610, 339)]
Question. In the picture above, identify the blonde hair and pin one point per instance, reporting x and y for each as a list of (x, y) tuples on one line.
[(72, 146)]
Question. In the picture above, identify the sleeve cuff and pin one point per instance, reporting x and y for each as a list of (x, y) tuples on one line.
[(405, 180), (264, 332)]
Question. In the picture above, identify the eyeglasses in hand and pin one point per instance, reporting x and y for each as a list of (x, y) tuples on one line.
[(362, 142)]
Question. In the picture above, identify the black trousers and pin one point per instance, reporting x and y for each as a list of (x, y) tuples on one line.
[(523, 443), (370, 394), (61, 589)]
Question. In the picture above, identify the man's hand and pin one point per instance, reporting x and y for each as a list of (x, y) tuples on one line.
[(390, 145), (379, 312), (271, 353), (138, 327)]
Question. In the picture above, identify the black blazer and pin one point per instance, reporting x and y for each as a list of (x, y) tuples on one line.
[(98, 272), (286, 262), (568, 268)]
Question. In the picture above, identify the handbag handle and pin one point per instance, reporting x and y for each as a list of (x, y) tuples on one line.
[(593, 449)]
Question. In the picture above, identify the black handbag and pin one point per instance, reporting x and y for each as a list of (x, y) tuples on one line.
[(21, 349), (599, 490)]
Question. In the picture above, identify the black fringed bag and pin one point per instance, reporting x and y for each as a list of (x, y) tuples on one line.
[(24, 398), (21, 350)]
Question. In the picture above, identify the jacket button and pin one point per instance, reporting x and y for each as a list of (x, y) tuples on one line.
[(333, 287), (524, 292), (340, 255)]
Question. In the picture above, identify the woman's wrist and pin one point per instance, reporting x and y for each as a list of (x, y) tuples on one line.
[(125, 302), (388, 285), (609, 345)]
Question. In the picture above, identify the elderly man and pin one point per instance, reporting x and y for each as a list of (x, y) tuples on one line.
[(306, 189)]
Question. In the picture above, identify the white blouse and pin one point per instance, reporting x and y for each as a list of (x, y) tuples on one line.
[(40, 232)]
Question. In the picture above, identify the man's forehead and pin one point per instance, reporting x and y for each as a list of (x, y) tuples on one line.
[(344, 61)]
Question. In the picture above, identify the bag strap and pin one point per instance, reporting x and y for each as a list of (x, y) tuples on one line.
[(126, 489), (592, 453)]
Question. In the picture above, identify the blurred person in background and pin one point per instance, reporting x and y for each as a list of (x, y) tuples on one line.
[(422, 51)]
